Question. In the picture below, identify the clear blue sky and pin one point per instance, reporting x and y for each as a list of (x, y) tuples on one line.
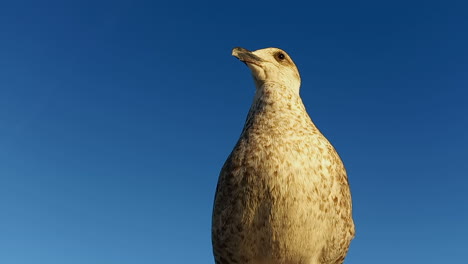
[(116, 117)]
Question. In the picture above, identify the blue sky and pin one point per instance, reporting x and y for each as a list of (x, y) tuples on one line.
[(116, 117)]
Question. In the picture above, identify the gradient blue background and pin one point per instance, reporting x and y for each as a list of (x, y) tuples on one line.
[(116, 117)]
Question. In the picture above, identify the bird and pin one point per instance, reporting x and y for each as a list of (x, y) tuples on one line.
[(282, 195)]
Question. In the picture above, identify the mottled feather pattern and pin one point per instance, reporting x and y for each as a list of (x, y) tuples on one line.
[(283, 194)]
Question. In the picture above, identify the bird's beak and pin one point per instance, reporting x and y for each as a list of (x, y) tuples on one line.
[(246, 56)]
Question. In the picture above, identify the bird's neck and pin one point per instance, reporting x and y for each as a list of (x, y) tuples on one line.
[(283, 88), (276, 107), (275, 95)]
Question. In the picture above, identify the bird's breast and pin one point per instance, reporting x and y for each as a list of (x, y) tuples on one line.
[(286, 183)]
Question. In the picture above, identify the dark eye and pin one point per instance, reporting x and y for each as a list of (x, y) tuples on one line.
[(281, 56)]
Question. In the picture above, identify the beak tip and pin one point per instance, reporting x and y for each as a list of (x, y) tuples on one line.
[(237, 50)]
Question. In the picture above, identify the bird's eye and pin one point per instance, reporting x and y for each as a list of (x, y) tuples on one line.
[(281, 56)]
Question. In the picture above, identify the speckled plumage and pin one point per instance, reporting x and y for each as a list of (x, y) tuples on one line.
[(283, 195)]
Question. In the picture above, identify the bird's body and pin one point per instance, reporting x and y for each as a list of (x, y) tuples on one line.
[(283, 194)]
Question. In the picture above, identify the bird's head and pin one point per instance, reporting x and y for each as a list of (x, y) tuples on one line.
[(270, 65)]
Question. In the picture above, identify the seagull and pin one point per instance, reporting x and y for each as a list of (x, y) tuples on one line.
[(283, 195)]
